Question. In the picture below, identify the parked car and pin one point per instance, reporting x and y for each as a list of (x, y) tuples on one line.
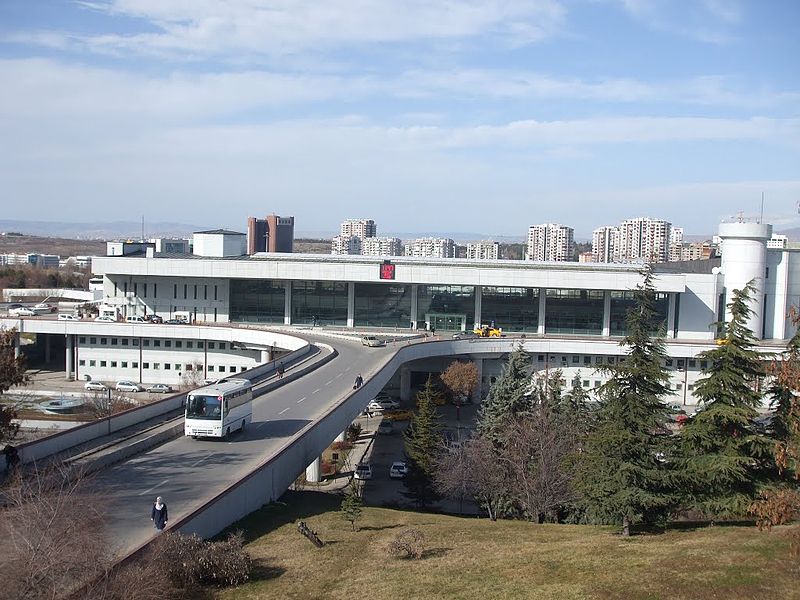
[(14, 305), (383, 404), (159, 388), (155, 319), (385, 427), (175, 322), (465, 335), (362, 471), (95, 386), (67, 317), (128, 386), (44, 307), (105, 319), (372, 341), (398, 470), (21, 312), (135, 319)]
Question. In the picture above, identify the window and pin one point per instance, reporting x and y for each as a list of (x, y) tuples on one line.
[(135, 289), (167, 366), (668, 362), (102, 363), (135, 364), (232, 369), (692, 364), (113, 364), (703, 364), (136, 341), (215, 292), (114, 341), (678, 386), (177, 367), (200, 345), (104, 341), (81, 339), (222, 345), (611, 360), (92, 340), (598, 360), (175, 290), (586, 383), (195, 292), (124, 364), (210, 368), (146, 343), (178, 344), (157, 343), (144, 290), (156, 366), (596, 383), (681, 362), (242, 368), (167, 343), (92, 363), (188, 344), (155, 290), (587, 360), (205, 292), (690, 387), (145, 365), (124, 341), (576, 359), (188, 367), (185, 291), (81, 363), (125, 288), (210, 345)]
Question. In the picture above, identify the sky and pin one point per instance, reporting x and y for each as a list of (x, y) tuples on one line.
[(425, 115)]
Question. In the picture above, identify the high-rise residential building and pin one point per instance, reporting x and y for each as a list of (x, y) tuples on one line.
[(604, 241), (272, 234), (777, 241), (550, 242), (643, 239), (381, 246), (362, 228), (675, 243), (431, 247), (346, 244), (483, 250)]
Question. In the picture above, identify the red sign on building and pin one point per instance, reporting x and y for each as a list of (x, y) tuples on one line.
[(387, 270)]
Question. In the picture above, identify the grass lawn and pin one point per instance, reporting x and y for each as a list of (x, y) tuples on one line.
[(475, 558)]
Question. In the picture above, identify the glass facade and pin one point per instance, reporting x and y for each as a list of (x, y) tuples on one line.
[(574, 312), (325, 300), (622, 302), (382, 305), (511, 308), (446, 307), (257, 300)]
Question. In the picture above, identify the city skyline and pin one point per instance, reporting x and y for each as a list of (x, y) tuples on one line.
[(474, 117)]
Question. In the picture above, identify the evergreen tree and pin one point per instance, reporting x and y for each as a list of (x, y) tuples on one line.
[(725, 458), (422, 442), (507, 396), (623, 475), (574, 405), (12, 373), (352, 504)]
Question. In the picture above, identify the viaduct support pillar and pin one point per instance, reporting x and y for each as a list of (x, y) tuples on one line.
[(313, 471), (70, 354)]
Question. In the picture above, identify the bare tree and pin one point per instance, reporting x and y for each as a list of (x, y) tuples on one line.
[(461, 378), (192, 377), (536, 456), (101, 405), (474, 470), (53, 534), (12, 373)]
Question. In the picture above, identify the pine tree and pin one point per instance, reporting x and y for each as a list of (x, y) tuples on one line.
[(422, 442), (507, 396), (623, 475), (352, 504), (725, 458), (574, 405), (12, 373)]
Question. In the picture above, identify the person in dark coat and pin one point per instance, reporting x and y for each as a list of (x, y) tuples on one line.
[(159, 514), (281, 370), (359, 382)]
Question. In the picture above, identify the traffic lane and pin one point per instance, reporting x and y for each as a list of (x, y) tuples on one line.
[(187, 472)]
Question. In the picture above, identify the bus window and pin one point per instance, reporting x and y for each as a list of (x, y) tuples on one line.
[(203, 407)]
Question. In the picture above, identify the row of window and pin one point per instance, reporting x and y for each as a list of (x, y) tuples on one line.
[(154, 286), (576, 359), (147, 342), (124, 364)]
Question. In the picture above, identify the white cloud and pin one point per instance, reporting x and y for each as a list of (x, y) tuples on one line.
[(709, 21)]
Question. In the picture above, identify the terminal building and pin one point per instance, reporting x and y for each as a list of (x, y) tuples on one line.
[(575, 312)]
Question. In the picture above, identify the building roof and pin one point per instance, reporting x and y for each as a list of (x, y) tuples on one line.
[(220, 232)]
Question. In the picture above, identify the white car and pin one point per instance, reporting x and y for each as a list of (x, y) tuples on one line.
[(95, 386), (21, 312), (363, 471), (383, 404), (372, 341), (128, 386), (67, 317), (105, 319), (398, 470)]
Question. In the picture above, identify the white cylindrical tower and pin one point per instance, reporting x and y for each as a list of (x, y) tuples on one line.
[(744, 259)]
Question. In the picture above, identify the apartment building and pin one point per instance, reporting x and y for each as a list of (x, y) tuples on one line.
[(643, 240), (604, 242), (346, 244), (381, 246), (483, 250), (431, 248), (550, 242)]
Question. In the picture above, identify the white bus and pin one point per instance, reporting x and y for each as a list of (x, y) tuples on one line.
[(218, 409)]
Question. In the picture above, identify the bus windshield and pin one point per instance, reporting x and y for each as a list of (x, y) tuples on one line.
[(204, 407)]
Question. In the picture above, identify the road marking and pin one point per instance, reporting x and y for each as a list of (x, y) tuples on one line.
[(330, 382), (202, 459), (284, 410), (301, 399), (316, 390), (153, 488), (339, 375)]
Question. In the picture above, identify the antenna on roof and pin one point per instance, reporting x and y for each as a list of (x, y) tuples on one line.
[(142, 227), (761, 216)]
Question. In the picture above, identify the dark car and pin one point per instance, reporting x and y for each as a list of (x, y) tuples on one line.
[(465, 335), (155, 319)]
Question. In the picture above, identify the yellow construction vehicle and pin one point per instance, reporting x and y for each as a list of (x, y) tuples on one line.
[(488, 331)]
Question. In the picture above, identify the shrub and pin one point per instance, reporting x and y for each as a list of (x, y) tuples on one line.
[(774, 508), (327, 468), (353, 432), (341, 446), (409, 543)]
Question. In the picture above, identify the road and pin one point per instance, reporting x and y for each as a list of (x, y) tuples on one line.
[(186, 472)]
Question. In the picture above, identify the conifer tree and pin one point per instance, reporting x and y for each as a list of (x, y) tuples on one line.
[(574, 405), (623, 475), (422, 442), (352, 504), (725, 458), (507, 396)]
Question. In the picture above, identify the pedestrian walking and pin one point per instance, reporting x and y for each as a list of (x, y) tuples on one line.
[(281, 370), (359, 382), (159, 514)]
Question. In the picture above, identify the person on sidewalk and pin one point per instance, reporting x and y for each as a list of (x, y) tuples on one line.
[(281, 370), (159, 514), (359, 382)]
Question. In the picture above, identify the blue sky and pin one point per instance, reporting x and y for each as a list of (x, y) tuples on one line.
[(481, 116)]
